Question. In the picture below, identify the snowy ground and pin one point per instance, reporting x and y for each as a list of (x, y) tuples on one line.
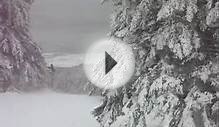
[(47, 110)]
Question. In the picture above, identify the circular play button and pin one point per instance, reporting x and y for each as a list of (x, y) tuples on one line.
[(109, 63)]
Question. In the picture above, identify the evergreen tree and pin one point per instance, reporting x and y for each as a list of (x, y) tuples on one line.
[(176, 84), (21, 62)]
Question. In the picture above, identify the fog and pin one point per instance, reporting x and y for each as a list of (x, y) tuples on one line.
[(69, 26)]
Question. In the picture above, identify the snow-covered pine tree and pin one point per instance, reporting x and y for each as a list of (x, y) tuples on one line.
[(21, 62), (176, 84)]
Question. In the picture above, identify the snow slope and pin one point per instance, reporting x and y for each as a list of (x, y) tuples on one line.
[(63, 59), (47, 110)]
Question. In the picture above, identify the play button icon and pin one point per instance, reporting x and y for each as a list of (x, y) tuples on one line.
[(109, 63)]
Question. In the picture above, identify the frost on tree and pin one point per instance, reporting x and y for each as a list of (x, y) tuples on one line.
[(176, 83), (21, 63)]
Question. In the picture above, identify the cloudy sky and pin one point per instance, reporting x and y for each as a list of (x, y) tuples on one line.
[(69, 26)]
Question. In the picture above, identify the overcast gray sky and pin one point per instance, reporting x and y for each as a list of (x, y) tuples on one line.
[(69, 26)]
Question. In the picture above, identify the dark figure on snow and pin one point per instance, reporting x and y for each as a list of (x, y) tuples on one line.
[(52, 74), (51, 68)]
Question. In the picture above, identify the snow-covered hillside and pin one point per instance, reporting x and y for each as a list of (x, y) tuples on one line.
[(63, 59), (47, 110)]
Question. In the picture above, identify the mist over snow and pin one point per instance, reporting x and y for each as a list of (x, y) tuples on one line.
[(63, 59)]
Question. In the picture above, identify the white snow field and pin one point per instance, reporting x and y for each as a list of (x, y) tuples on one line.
[(47, 110)]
